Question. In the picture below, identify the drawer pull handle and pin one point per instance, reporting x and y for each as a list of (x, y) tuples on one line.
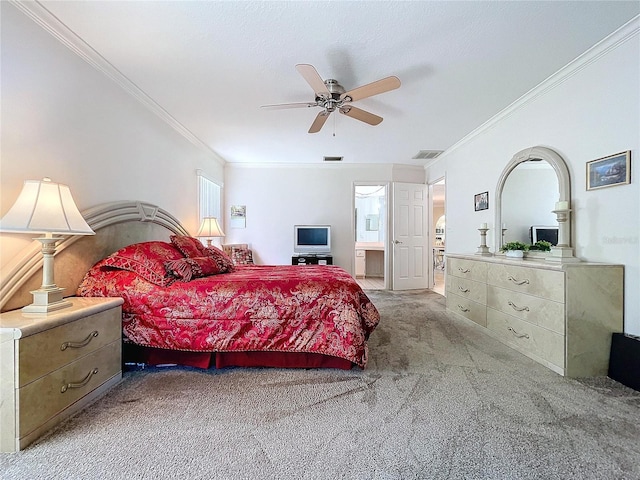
[(464, 270), (519, 335), (463, 308), (81, 383), (462, 289), (81, 344), (517, 308), (518, 282)]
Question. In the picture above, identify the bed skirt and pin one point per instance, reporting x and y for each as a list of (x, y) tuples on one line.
[(132, 353)]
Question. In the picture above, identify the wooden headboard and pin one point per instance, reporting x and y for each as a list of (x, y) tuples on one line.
[(117, 224)]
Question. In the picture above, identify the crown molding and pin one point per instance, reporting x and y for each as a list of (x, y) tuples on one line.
[(53, 25), (625, 33)]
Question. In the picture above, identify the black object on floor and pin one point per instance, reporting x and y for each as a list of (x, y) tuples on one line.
[(624, 361)]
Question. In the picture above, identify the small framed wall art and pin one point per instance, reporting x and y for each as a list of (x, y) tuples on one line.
[(609, 171), (238, 216), (481, 201)]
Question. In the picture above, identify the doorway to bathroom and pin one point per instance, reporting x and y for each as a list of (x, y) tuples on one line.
[(438, 235), (370, 222)]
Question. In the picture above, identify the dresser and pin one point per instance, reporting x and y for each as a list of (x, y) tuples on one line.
[(561, 315), (53, 365)]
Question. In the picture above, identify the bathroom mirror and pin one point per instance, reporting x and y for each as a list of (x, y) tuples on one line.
[(370, 205), (532, 191)]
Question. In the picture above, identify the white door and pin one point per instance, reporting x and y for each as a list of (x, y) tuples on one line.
[(409, 240)]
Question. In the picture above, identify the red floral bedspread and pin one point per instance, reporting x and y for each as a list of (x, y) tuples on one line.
[(314, 309)]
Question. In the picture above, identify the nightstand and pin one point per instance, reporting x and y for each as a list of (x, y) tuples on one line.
[(54, 364)]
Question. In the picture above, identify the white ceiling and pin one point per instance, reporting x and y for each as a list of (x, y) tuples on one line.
[(212, 64)]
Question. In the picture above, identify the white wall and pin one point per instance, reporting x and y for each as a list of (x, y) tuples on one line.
[(63, 119), (278, 197), (593, 112)]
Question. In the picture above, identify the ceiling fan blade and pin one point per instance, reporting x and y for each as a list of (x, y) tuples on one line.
[(359, 114), (310, 74), (319, 121), (290, 105), (371, 89)]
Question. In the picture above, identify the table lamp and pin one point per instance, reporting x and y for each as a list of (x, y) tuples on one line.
[(209, 229), (45, 207)]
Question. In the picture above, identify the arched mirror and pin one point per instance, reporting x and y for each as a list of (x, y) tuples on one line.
[(529, 197), (533, 201)]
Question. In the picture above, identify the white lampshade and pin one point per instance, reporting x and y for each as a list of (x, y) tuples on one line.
[(44, 206), (210, 228)]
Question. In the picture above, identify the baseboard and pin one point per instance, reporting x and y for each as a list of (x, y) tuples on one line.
[(624, 361)]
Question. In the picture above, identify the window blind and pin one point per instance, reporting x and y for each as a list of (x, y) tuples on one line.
[(209, 198)]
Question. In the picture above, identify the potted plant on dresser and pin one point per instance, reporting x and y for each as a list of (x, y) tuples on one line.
[(541, 246), (514, 249)]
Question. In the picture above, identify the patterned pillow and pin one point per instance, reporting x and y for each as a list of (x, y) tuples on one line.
[(146, 259), (186, 269), (241, 256), (222, 258), (189, 246)]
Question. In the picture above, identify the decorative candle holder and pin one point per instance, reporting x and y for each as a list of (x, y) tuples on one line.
[(562, 252), (562, 217), (483, 249)]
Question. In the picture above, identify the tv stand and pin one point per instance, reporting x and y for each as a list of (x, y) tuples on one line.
[(312, 259)]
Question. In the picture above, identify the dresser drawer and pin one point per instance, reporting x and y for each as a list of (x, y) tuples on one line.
[(469, 289), (534, 281), (470, 269), (474, 311), (49, 395), (538, 311), (49, 350), (527, 337)]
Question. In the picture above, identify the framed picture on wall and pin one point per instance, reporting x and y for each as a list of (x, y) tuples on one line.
[(238, 216), (609, 171), (481, 201)]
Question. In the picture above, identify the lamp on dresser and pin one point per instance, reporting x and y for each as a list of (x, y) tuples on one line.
[(46, 207), (209, 229)]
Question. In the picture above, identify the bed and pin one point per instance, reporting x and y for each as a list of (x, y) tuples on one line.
[(188, 304), (125, 223)]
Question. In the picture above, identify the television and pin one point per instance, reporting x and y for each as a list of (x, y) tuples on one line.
[(549, 234), (312, 239)]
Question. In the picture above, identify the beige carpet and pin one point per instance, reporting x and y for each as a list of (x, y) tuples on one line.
[(439, 400)]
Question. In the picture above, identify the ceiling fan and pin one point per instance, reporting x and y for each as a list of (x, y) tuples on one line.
[(331, 96)]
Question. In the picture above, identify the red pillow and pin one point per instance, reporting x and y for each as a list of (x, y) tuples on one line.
[(189, 246), (146, 259), (186, 269), (221, 258)]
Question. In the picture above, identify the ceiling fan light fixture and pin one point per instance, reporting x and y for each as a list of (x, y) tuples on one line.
[(331, 96)]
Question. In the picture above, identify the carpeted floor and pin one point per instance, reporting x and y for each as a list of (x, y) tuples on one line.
[(438, 400)]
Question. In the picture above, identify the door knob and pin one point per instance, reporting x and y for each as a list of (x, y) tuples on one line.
[(397, 242)]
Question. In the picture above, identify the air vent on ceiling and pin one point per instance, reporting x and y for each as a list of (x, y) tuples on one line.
[(427, 154), (332, 159)]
